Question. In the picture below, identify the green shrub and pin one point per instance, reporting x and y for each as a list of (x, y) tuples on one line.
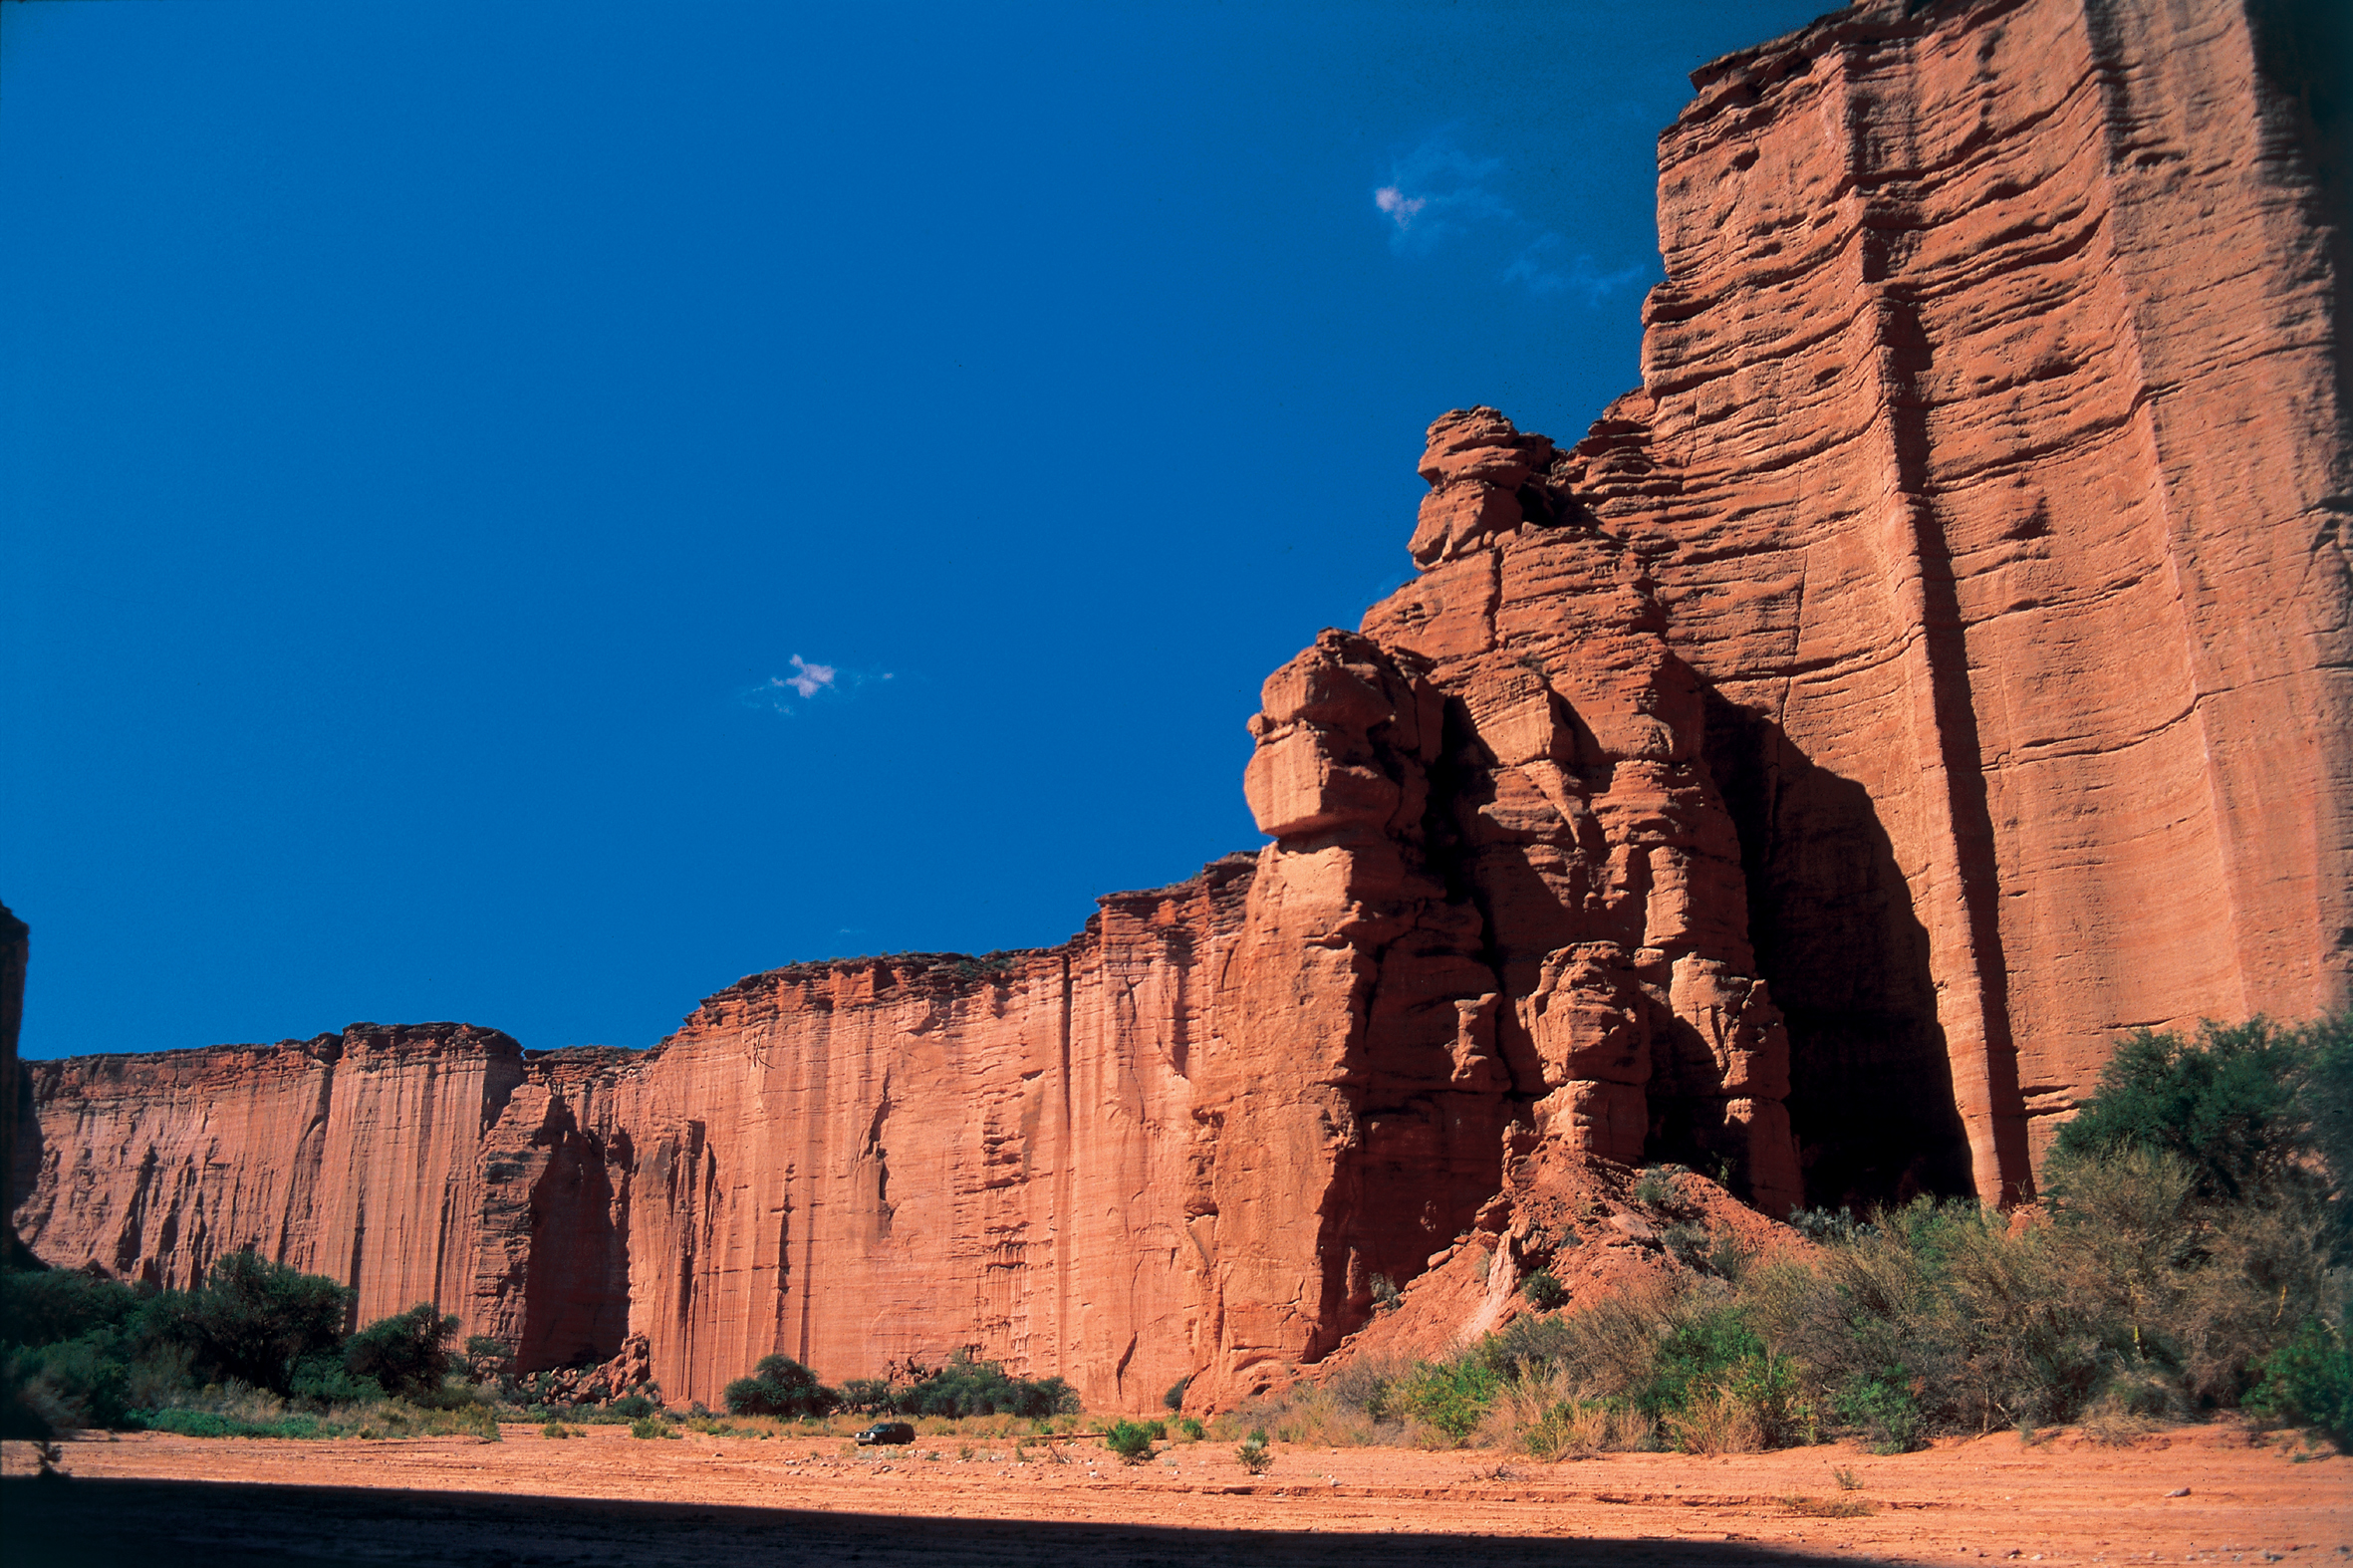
[(407, 1354), (970, 1387), (2230, 1104), (1700, 1353), (868, 1397), (1192, 1429), (653, 1426), (779, 1386), (1543, 1291), (254, 1320), (2309, 1381), (1131, 1441), (1884, 1405), (76, 1383), (1175, 1398), (324, 1380), (48, 1305), (213, 1424), (1254, 1454), (1450, 1397), (486, 1356), (1386, 1296)]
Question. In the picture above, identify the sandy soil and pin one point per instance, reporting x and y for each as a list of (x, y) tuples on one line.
[(2210, 1493)]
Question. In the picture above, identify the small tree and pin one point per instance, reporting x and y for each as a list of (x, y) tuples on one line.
[(2228, 1103), (779, 1386), (258, 1320), (408, 1353)]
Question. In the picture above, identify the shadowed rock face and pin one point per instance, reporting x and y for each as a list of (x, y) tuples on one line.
[(1940, 665)]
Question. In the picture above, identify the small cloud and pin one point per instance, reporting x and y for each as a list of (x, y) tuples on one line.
[(783, 695), (1440, 194), (1435, 190), (808, 680), (1398, 205)]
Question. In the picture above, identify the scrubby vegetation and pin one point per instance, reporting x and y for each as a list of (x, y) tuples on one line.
[(966, 1386), (2190, 1253), (1132, 1440), (257, 1351)]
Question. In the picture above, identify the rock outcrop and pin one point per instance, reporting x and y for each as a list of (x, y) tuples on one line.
[(1942, 665)]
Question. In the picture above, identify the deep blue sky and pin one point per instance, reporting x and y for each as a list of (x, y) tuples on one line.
[(429, 434)]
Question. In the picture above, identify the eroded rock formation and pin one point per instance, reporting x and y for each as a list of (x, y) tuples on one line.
[(1940, 665)]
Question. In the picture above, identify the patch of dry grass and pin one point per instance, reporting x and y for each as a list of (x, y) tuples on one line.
[(1830, 1507)]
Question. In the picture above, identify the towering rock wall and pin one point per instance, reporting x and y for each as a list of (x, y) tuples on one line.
[(1991, 463), (1940, 665)]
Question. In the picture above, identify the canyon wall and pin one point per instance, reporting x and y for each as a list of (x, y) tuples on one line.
[(1940, 665), (1991, 461)]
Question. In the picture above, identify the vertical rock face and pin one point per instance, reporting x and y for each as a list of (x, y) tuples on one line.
[(359, 1156), (1992, 463), (850, 1162), (1940, 665)]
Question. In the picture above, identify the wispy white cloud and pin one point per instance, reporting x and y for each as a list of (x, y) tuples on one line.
[(1440, 194), (787, 693), (807, 679), (1435, 190), (1539, 266)]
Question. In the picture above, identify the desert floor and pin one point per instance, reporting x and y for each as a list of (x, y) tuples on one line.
[(2207, 1493)]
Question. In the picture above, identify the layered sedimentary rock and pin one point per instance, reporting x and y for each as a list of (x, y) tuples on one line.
[(1940, 665), (851, 1164), (1992, 463)]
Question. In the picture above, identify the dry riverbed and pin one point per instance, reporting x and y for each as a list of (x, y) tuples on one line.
[(2207, 1494)]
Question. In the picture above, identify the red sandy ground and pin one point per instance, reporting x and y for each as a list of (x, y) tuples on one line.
[(180, 1503)]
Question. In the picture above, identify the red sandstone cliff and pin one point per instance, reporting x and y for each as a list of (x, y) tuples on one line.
[(1940, 665)]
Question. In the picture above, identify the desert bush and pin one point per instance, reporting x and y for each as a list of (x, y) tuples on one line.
[(2309, 1381), (74, 1383), (487, 1356), (651, 1426), (867, 1395), (1131, 1441), (967, 1386), (1363, 1386), (1543, 1292), (2231, 1106), (1654, 1186), (1255, 1454), (1448, 1401), (406, 1354), (50, 1305), (1386, 1296), (1175, 1398), (254, 1320), (779, 1386)]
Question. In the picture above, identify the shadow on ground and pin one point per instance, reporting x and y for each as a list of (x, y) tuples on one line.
[(197, 1524)]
